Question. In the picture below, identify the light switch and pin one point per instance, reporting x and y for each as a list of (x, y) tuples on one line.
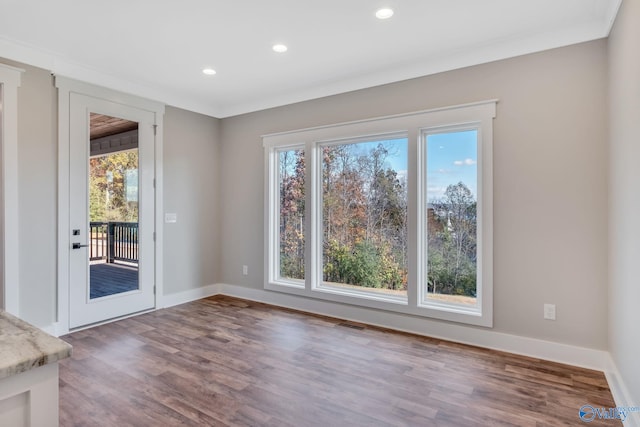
[(170, 218), (550, 311)]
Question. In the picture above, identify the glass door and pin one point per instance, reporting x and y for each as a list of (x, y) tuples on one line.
[(111, 210)]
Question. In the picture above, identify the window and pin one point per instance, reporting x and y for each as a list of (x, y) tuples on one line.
[(364, 216), (392, 213), (451, 217), (291, 178)]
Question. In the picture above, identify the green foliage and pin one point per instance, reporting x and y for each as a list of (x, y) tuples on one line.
[(366, 264), (362, 266), (108, 186), (291, 266)]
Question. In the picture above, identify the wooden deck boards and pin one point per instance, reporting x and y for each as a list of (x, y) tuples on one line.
[(109, 279), (225, 361)]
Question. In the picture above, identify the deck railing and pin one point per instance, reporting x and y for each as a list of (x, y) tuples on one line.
[(114, 241), (98, 240)]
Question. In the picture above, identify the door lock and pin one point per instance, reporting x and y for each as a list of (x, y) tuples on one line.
[(78, 246)]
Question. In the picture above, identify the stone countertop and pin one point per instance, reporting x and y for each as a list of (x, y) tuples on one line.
[(24, 347)]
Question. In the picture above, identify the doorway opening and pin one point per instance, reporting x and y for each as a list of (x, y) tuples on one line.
[(100, 134), (113, 206)]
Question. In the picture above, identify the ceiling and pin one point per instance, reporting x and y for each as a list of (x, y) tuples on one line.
[(157, 49), (101, 125)]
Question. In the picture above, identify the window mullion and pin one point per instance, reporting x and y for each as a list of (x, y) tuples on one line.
[(414, 187), (311, 264)]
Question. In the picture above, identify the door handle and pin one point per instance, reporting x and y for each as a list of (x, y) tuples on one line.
[(78, 246)]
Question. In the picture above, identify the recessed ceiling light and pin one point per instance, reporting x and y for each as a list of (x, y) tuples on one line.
[(384, 13), (208, 71), (280, 48)]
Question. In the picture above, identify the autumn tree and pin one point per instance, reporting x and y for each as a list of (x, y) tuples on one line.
[(364, 223), (108, 183), (292, 214), (364, 218)]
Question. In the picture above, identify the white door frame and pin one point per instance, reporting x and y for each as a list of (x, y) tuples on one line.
[(65, 87), (10, 79)]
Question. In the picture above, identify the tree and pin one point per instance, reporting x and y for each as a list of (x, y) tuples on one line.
[(364, 218), (452, 258), (109, 178), (292, 214)]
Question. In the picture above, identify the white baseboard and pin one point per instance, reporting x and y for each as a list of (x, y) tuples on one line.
[(188, 296), (51, 329), (532, 347), (620, 392), (55, 329)]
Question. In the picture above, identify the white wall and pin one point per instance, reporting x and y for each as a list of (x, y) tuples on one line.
[(550, 182), (624, 197), (191, 190), (37, 195)]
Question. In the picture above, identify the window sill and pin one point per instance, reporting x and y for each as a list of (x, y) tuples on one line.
[(446, 312)]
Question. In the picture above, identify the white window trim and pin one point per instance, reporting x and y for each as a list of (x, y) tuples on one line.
[(273, 252), (10, 80), (484, 307), (414, 125), (318, 285)]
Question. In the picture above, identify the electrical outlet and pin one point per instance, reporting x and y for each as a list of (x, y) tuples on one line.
[(550, 311), (245, 270)]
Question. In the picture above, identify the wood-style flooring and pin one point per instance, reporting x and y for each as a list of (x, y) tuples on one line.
[(226, 361)]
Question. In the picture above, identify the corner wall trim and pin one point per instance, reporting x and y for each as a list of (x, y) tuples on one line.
[(56, 329), (10, 80), (620, 392)]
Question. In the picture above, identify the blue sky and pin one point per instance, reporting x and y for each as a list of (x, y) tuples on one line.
[(451, 157)]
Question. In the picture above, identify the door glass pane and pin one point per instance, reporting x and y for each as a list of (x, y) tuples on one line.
[(364, 217), (452, 200), (113, 206)]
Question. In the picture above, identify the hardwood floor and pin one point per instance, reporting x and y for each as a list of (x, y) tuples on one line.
[(225, 361)]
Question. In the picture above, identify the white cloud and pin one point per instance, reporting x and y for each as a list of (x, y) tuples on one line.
[(465, 162)]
